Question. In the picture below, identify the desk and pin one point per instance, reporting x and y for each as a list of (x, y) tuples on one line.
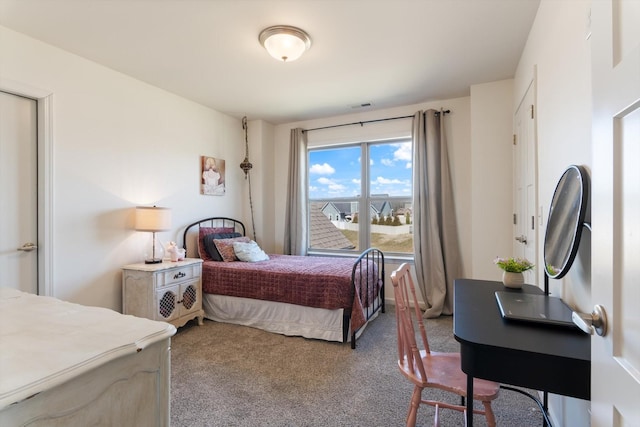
[(534, 356)]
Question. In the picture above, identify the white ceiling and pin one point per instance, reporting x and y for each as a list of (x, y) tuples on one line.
[(384, 52)]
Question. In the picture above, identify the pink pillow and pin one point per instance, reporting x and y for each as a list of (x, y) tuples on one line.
[(225, 247), (202, 252)]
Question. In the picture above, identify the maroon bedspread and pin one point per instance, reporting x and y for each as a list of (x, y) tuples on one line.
[(321, 282)]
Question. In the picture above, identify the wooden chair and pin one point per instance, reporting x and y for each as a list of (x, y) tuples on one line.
[(430, 369)]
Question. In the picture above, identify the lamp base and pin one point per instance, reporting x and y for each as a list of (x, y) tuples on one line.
[(153, 261)]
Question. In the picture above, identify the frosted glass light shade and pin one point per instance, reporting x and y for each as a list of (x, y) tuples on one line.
[(153, 218), (285, 43)]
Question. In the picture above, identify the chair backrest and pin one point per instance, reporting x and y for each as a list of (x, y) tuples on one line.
[(405, 297)]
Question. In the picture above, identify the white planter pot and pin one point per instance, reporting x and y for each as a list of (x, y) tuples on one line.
[(513, 280)]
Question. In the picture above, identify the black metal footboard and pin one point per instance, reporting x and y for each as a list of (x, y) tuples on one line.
[(368, 273)]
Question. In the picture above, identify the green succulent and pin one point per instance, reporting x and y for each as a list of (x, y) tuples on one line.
[(513, 265)]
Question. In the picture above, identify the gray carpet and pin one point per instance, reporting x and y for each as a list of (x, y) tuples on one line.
[(228, 375)]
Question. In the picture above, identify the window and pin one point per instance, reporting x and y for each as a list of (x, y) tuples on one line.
[(360, 196)]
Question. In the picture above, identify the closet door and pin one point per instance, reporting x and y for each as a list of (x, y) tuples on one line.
[(18, 193), (525, 194)]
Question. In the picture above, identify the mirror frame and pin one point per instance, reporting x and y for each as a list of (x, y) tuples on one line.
[(576, 221)]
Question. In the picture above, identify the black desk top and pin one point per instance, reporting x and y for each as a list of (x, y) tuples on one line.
[(531, 355)]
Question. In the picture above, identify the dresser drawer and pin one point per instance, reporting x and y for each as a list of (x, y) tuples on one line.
[(177, 275)]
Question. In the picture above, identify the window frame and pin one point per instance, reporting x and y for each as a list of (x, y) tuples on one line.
[(365, 198)]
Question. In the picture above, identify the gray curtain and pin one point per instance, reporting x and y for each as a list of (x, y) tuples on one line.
[(295, 227), (435, 239)]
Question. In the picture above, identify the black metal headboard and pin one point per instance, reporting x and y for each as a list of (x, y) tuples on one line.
[(192, 231)]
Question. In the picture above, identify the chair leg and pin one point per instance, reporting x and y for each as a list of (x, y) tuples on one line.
[(413, 406), (488, 413)]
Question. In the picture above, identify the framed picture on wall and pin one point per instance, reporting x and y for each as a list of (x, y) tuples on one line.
[(212, 176)]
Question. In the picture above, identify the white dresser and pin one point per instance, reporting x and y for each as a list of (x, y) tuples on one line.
[(64, 364), (167, 291)]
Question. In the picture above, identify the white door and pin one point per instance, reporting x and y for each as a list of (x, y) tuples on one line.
[(615, 364), (524, 176), (18, 193)]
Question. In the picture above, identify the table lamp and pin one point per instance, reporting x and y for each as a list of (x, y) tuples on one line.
[(153, 219)]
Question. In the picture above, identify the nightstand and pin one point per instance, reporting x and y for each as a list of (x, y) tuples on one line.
[(168, 291)]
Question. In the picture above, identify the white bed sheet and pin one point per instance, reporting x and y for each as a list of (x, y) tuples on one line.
[(277, 317)]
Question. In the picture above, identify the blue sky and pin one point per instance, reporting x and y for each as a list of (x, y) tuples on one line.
[(335, 172)]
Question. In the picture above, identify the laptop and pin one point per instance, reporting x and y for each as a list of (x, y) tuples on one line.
[(535, 308)]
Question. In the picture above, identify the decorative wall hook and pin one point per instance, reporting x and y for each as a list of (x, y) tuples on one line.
[(246, 167), (246, 164)]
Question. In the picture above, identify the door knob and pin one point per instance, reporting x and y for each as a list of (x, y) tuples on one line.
[(522, 239), (597, 321), (28, 247)]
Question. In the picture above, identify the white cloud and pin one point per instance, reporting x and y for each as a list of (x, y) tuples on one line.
[(387, 162), (409, 165), (385, 181), (332, 186), (323, 169), (403, 152)]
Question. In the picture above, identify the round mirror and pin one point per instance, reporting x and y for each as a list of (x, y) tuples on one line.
[(566, 218)]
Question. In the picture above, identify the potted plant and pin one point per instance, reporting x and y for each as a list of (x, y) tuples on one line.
[(513, 268)]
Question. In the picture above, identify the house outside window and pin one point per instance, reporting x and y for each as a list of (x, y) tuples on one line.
[(360, 197)]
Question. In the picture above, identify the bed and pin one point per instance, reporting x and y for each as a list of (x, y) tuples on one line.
[(328, 298), (64, 364)]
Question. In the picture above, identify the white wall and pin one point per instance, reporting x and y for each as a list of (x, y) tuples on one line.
[(264, 160), (557, 47), (491, 177), (118, 143)]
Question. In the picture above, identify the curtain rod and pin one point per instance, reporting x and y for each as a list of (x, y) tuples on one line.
[(369, 121)]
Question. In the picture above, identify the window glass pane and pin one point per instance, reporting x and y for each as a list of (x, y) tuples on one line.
[(331, 225), (390, 169), (392, 226), (343, 205), (334, 173)]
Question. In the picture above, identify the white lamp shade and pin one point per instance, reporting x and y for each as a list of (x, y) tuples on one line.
[(285, 43), (153, 218)]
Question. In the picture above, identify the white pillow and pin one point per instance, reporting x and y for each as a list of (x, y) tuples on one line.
[(249, 252)]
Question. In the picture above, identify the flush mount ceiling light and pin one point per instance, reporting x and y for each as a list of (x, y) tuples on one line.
[(285, 43)]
